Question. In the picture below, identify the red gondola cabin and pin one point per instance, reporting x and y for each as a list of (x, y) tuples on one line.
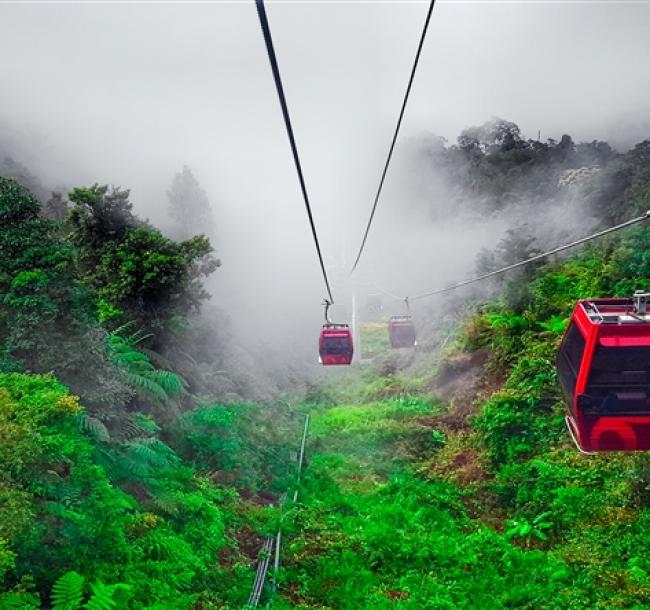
[(335, 344), (604, 370), (401, 332)]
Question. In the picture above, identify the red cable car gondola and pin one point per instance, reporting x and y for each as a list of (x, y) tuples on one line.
[(401, 332), (604, 370), (335, 344)]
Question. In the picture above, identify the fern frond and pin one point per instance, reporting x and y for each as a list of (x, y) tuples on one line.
[(145, 423), (166, 503), (105, 457), (168, 381), (158, 547), (158, 385), (131, 467), (103, 596), (138, 337), (151, 451), (129, 357), (138, 425), (67, 591), (163, 449), (68, 493), (119, 331), (96, 428), (148, 386), (157, 358), (130, 429)]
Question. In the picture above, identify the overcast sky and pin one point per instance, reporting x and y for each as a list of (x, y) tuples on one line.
[(128, 93)]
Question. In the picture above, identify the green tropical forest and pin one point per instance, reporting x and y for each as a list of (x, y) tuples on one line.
[(140, 468)]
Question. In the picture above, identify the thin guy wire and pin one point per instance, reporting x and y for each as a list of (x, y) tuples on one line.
[(264, 23), (537, 257), (301, 458), (399, 123)]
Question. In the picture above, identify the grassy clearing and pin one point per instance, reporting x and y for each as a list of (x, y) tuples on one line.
[(374, 338)]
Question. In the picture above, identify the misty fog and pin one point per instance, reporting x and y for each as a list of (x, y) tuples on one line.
[(127, 94)]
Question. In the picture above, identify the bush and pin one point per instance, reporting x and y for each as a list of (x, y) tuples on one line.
[(515, 427)]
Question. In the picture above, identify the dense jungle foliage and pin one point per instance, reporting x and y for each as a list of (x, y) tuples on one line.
[(118, 466), (138, 471), (472, 495)]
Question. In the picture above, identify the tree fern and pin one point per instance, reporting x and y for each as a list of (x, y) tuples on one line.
[(67, 493), (105, 456), (147, 387), (151, 451), (103, 596), (171, 383), (95, 427), (67, 592), (152, 384), (158, 359), (128, 466), (137, 458), (159, 546), (127, 357), (134, 338), (138, 425), (145, 423), (166, 502)]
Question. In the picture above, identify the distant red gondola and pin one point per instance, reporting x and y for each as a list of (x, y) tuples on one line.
[(604, 370), (335, 344), (401, 332)]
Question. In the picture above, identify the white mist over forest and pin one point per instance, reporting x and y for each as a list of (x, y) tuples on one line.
[(129, 94)]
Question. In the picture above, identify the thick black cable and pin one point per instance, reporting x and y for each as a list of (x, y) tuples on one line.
[(399, 123), (261, 11)]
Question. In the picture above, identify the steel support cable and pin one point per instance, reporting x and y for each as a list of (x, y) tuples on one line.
[(537, 257), (264, 23), (397, 128), (301, 457), (379, 289), (269, 547), (532, 259), (260, 575)]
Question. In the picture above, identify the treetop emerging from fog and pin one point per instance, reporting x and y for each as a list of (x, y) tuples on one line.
[(189, 207)]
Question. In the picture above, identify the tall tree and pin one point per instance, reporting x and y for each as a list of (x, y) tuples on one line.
[(10, 168), (37, 287), (55, 208), (47, 319), (100, 217), (138, 274), (189, 206)]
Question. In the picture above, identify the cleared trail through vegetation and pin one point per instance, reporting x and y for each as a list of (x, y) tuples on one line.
[(272, 544), (355, 454)]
